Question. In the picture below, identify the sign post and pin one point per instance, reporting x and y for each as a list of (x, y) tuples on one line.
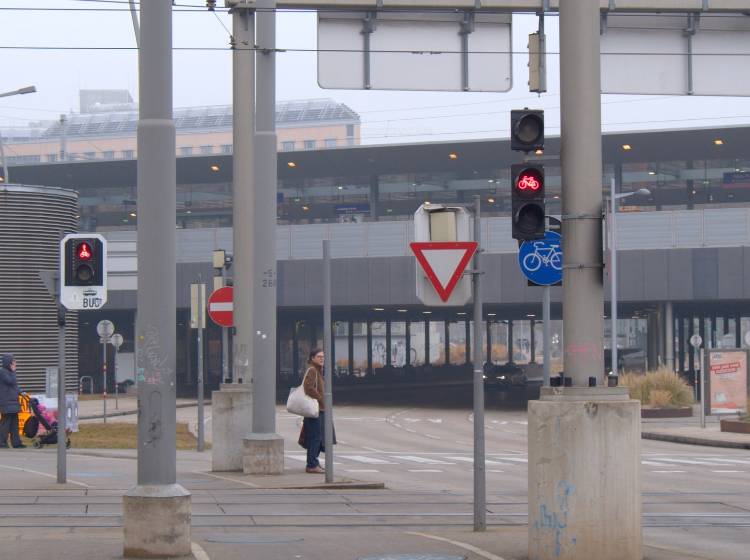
[(105, 329), (116, 341), (198, 322)]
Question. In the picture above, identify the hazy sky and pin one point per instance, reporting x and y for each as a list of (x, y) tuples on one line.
[(203, 77)]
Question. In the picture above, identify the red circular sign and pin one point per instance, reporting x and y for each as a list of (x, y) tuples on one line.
[(221, 306)]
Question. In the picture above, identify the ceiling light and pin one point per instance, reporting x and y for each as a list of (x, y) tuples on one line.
[(652, 172), (214, 168), (188, 211), (401, 310), (378, 308), (718, 142), (132, 214), (389, 210), (627, 147), (291, 164), (461, 313), (340, 188), (426, 202), (539, 152), (305, 207), (427, 312), (453, 155), (491, 200), (530, 315), (490, 180), (491, 314)]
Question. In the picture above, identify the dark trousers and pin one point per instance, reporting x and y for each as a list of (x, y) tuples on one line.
[(9, 426), (314, 439)]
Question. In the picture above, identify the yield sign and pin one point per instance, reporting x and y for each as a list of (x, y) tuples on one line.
[(443, 262), (221, 306)]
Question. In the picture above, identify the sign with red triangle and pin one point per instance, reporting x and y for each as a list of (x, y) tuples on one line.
[(443, 262)]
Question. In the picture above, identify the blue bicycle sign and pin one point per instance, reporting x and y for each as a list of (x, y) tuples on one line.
[(541, 259)]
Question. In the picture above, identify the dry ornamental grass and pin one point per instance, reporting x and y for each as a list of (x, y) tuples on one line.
[(122, 435), (662, 388)]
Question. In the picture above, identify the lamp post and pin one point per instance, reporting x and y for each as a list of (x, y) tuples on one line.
[(614, 197), (22, 91)]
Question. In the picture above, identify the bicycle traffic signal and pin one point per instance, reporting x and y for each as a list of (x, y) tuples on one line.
[(526, 130), (83, 271), (527, 201)]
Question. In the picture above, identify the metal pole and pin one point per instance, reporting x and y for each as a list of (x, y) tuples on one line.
[(104, 377), (157, 281), (244, 213), (6, 177), (581, 158), (613, 276), (201, 421), (327, 345), (264, 228), (703, 388), (61, 409), (669, 335), (63, 139), (546, 331), (480, 515), (117, 390)]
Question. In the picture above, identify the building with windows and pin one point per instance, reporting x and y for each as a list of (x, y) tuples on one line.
[(105, 129), (684, 251)]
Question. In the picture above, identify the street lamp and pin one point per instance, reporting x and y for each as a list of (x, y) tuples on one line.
[(614, 197), (22, 91)]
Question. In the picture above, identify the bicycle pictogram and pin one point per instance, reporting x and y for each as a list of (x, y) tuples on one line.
[(545, 253)]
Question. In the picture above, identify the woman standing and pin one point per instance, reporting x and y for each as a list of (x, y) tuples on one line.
[(9, 406), (313, 427)]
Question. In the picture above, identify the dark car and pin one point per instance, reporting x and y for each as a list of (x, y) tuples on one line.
[(503, 377)]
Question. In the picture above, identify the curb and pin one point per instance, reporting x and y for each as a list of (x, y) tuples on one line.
[(689, 440), (131, 412)]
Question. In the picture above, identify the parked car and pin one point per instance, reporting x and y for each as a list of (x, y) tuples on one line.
[(503, 377)]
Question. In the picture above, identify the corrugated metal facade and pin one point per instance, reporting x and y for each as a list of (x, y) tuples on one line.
[(32, 220)]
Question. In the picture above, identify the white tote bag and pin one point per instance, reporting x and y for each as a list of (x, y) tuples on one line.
[(300, 403)]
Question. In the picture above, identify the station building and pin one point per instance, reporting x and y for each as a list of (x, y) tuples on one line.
[(684, 252)]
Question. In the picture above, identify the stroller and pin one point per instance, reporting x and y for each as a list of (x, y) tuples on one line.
[(40, 418)]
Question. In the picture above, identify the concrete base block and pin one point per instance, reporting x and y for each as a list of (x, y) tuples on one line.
[(231, 420), (584, 475), (263, 454), (156, 521)]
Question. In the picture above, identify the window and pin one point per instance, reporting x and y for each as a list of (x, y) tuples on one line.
[(287, 146), (309, 144), (350, 130), (128, 154), (108, 154), (51, 157), (89, 155), (350, 141), (226, 148), (186, 151), (207, 150), (330, 142)]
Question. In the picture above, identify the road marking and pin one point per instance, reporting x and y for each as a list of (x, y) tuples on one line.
[(471, 460), (654, 463), (739, 461), (410, 430), (689, 462), (424, 470), (373, 450), (666, 472), (478, 551), (212, 475), (45, 475), (422, 460), (370, 460), (431, 436), (514, 459), (198, 552), (495, 471), (728, 471)]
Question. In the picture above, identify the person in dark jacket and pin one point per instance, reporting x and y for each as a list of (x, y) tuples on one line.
[(9, 407)]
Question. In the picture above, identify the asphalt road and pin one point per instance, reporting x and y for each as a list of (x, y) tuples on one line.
[(696, 499)]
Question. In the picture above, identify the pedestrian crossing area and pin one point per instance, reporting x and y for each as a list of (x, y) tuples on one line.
[(499, 463)]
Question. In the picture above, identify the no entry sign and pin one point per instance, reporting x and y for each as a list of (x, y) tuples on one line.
[(221, 306)]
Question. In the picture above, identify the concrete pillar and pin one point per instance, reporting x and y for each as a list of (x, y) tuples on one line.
[(156, 521), (231, 411), (584, 475), (263, 453)]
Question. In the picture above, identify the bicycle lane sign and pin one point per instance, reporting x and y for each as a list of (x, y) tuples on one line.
[(541, 260)]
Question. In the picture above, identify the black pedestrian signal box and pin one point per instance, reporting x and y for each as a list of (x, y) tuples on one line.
[(526, 130), (84, 262), (527, 198)]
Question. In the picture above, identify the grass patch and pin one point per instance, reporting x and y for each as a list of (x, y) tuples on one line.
[(662, 388), (122, 435)]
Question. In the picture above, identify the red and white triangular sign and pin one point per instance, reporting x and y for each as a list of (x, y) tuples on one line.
[(443, 262)]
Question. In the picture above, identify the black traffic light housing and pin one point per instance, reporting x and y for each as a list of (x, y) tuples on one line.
[(527, 198), (84, 262), (526, 130)]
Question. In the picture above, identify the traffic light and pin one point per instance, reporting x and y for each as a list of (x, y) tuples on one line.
[(527, 198), (84, 261), (526, 130)]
